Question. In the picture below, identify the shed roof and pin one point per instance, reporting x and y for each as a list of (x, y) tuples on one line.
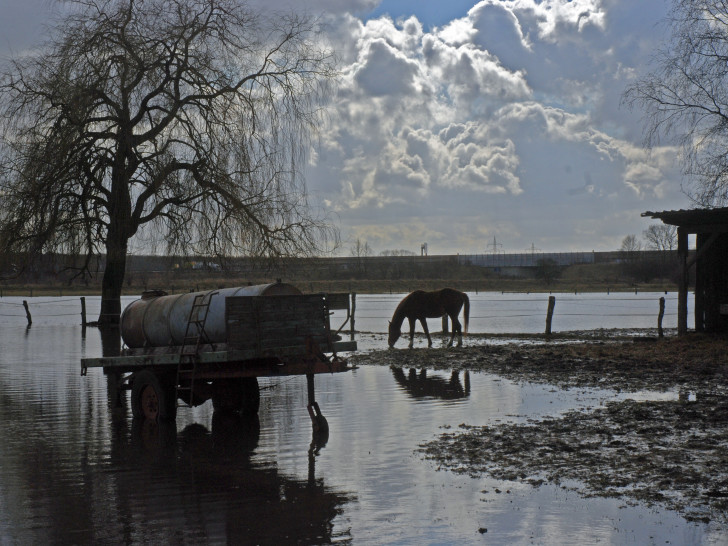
[(716, 219)]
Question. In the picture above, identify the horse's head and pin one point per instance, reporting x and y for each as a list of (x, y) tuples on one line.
[(394, 334)]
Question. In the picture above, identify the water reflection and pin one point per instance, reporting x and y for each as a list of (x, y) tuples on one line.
[(110, 341), (421, 385), (76, 469), (201, 485)]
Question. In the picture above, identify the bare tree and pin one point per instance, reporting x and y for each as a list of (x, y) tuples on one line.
[(631, 244), (661, 237), (184, 120), (686, 97), (361, 249)]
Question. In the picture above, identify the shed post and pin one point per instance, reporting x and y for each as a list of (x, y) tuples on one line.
[(700, 278), (682, 299)]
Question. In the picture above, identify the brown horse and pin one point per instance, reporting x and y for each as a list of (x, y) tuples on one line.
[(421, 305)]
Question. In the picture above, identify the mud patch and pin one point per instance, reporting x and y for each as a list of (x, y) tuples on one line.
[(674, 454)]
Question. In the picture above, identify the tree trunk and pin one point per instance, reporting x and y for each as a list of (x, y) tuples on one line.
[(113, 281)]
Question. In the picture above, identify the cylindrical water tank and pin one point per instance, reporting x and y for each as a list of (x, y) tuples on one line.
[(158, 321)]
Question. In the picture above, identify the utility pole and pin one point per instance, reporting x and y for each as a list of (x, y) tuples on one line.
[(495, 245)]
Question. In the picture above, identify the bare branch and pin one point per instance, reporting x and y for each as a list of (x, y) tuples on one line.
[(193, 116), (685, 99)]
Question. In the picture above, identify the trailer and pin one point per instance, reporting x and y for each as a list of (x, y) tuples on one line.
[(187, 349)]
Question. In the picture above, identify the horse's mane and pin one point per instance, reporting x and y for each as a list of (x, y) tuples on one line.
[(399, 312)]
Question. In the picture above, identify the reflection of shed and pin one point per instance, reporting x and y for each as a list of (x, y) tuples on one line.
[(711, 265)]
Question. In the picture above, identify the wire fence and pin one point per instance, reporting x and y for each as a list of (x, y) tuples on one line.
[(489, 311), (31, 309), (46, 308), (509, 312)]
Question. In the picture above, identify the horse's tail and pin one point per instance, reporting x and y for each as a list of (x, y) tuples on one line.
[(466, 311)]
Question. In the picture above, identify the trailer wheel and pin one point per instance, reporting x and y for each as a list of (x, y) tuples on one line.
[(251, 396), (241, 395), (152, 398)]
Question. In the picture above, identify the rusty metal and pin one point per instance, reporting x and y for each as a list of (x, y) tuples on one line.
[(158, 321)]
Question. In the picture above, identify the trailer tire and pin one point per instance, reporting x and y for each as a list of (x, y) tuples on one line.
[(152, 397), (251, 396), (241, 395)]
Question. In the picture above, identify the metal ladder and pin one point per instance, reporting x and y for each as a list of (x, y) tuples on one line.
[(194, 337)]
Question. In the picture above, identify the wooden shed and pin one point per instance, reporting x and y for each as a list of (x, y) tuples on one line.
[(711, 265)]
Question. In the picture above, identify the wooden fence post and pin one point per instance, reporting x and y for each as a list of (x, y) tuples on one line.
[(27, 312), (659, 317), (353, 312), (83, 311), (550, 314), (445, 329)]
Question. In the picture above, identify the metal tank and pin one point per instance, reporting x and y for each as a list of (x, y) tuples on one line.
[(160, 320)]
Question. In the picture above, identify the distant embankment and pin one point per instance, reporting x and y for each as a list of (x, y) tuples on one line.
[(558, 271)]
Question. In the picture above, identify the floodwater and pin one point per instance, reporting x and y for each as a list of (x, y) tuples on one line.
[(76, 470)]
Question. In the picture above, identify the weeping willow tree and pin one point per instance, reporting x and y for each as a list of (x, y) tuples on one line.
[(188, 119)]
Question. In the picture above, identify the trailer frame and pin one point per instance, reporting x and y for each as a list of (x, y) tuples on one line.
[(266, 336)]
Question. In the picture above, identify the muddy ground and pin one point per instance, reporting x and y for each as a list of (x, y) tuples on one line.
[(668, 453)]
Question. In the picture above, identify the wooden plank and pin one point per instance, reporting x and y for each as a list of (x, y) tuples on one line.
[(266, 321)]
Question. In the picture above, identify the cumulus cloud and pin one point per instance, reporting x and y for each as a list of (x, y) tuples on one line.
[(385, 71), (498, 113), (503, 121)]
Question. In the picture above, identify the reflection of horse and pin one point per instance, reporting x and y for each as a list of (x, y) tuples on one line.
[(423, 385), (421, 305)]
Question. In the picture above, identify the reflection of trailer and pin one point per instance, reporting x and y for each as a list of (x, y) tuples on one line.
[(226, 340)]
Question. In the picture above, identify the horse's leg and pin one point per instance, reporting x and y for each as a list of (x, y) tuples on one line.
[(456, 328), (423, 321), (455, 325), (412, 322)]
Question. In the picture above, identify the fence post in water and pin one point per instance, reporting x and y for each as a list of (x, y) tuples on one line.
[(445, 329), (27, 312), (353, 311), (659, 317), (550, 314), (83, 311)]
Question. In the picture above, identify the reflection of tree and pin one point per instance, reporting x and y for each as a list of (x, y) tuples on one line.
[(420, 385)]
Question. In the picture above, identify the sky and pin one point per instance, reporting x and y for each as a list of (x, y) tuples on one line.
[(459, 122)]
